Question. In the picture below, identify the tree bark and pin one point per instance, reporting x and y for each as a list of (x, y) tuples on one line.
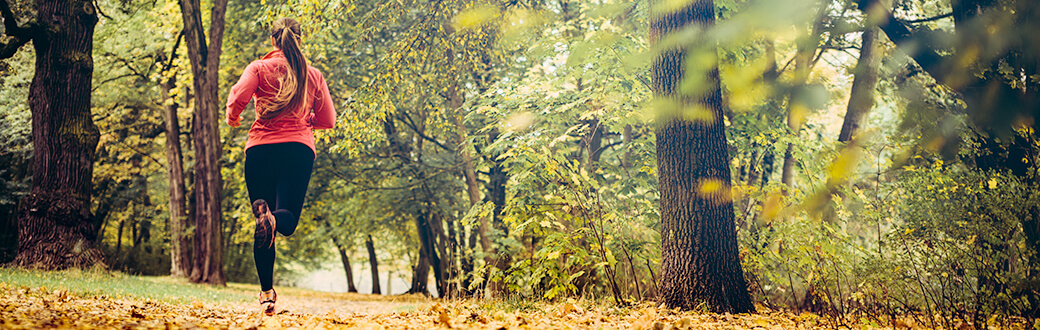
[(346, 265), (626, 159), (699, 255), (205, 61), (796, 107), (180, 260), (374, 263), (473, 189), (421, 274), (347, 268), (483, 230), (55, 227), (861, 99)]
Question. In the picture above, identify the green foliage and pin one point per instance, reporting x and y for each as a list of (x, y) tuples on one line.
[(939, 239), (15, 145)]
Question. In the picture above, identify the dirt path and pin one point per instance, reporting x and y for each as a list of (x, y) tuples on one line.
[(33, 308)]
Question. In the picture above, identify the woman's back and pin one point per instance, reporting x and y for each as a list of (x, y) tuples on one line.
[(262, 81)]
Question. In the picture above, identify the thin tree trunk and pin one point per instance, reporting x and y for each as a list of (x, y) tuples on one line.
[(205, 61), (861, 99), (699, 254), (119, 237), (346, 265), (347, 268), (593, 141), (454, 256), (797, 110), (483, 231), (626, 159), (374, 263), (180, 260), (497, 194), (55, 227)]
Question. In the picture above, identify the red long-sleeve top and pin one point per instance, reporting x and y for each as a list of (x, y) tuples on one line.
[(260, 82)]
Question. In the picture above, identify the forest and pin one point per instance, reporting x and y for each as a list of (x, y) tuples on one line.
[(858, 159)]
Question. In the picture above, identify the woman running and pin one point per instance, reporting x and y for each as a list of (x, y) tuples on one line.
[(291, 100)]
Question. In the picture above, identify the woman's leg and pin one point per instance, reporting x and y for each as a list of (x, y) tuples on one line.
[(260, 175), (291, 186)]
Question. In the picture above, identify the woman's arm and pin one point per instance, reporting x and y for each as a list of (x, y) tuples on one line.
[(324, 115), (240, 95)]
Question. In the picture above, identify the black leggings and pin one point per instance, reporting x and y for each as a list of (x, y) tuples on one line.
[(279, 174)]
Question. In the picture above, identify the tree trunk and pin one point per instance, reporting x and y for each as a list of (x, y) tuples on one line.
[(432, 254), (626, 136), (347, 268), (421, 274), (699, 255), (797, 109), (180, 260), (861, 99), (593, 141), (346, 265), (440, 260), (374, 263), (473, 190), (483, 230), (497, 194), (55, 227), (205, 61)]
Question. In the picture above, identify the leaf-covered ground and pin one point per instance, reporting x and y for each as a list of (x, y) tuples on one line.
[(81, 301)]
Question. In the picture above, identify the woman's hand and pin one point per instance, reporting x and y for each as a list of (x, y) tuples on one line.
[(234, 122)]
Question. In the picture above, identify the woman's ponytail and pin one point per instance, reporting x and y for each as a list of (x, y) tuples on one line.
[(293, 90)]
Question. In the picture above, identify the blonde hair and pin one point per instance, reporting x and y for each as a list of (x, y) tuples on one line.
[(293, 91)]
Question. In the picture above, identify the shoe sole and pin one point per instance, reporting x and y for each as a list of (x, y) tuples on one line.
[(265, 227)]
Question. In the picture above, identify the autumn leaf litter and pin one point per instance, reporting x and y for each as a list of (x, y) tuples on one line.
[(33, 308)]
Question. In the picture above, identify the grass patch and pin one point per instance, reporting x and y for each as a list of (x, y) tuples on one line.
[(96, 283)]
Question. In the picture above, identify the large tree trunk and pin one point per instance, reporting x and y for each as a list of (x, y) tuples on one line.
[(205, 60), (374, 263), (55, 227), (861, 99), (180, 260), (699, 256)]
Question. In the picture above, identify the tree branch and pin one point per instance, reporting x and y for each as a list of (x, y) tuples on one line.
[(173, 52), (9, 48), (98, 85), (407, 120), (11, 27), (19, 35), (936, 18), (901, 35)]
